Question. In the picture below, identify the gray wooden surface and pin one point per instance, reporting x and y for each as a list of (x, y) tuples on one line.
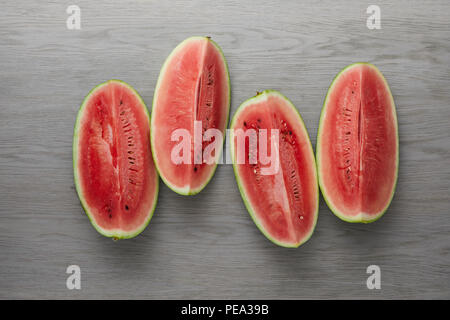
[(206, 246)]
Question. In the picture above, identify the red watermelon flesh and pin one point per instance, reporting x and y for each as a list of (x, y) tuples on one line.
[(115, 175), (283, 205), (193, 86), (357, 145)]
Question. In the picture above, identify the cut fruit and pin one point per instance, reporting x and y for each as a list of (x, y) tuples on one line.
[(357, 145), (282, 202), (115, 176), (193, 86)]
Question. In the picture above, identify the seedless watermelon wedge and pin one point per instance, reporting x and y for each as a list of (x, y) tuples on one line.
[(284, 205), (193, 86), (115, 176), (357, 145)]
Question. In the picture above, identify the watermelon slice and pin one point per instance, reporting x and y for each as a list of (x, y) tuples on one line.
[(193, 86), (357, 145), (114, 172), (283, 203)]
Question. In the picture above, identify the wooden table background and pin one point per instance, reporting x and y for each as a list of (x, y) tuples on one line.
[(206, 246)]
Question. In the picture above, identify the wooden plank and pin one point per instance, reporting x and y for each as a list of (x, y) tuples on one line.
[(206, 246)]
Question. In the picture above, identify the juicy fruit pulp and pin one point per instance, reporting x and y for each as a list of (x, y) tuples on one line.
[(283, 205), (115, 176), (193, 86), (357, 145)]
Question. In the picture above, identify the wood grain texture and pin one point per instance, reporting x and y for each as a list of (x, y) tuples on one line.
[(207, 246)]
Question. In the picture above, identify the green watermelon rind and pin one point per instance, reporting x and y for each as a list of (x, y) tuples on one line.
[(190, 192), (239, 182), (115, 234), (335, 211)]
